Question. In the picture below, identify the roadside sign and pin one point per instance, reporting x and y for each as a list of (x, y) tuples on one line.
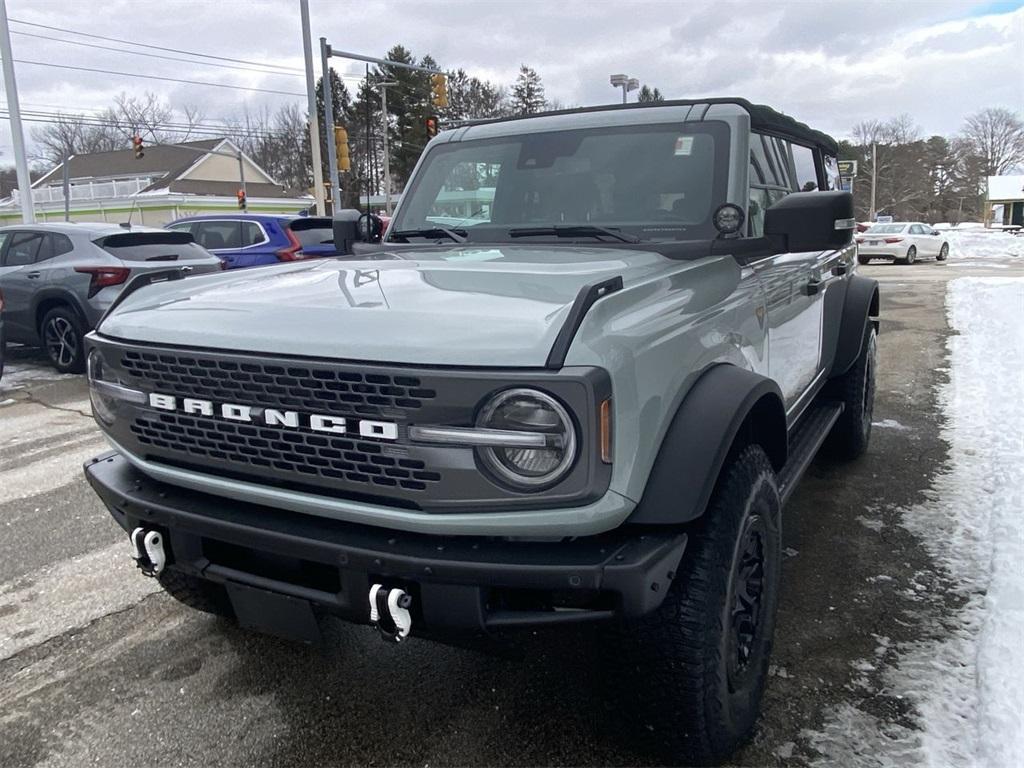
[(883, 219), (847, 167), (846, 184)]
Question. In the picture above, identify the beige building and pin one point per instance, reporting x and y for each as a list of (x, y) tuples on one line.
[(168, 182)]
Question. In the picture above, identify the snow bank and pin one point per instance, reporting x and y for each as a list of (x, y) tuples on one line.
[(984, 245), (967, 682)]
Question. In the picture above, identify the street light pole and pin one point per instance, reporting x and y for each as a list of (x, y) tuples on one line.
[(626, 83), (332, 158), (314, 123), (28, 211)]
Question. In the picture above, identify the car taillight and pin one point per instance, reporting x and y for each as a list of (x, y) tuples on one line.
[(294, 251), (860, 239), (892, 240), (101, 277)]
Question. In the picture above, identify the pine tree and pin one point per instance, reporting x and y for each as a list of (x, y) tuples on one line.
[(528, 92), (648, 95)]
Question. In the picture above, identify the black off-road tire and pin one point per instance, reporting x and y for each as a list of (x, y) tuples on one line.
[(62, 336), (851, 433), (698, 665), (196, 593)]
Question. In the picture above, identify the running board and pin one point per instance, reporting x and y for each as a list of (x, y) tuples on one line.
[(804, 443)]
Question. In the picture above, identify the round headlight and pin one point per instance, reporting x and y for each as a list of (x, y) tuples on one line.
[(538, 415)]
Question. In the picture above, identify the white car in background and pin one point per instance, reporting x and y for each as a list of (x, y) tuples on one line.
[(904, 242)]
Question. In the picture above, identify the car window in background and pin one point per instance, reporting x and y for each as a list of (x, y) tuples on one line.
[(251, 234), (185, 226), (806, 173), (23, 249), (916, 229), (3, 239), (61, 244), (886, 229), (152, 246), (45, 249), (312, 232), (219, 235)]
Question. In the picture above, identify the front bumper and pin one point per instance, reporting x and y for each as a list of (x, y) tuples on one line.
[(459, 584)]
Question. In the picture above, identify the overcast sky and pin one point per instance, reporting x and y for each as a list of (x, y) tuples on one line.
[(828, 63)]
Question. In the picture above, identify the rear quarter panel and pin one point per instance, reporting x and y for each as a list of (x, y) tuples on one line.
[(656, 337)]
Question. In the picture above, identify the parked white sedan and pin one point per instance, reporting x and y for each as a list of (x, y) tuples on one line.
[(905, 242)]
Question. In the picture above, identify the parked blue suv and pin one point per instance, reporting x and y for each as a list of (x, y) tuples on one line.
[(249, 240)]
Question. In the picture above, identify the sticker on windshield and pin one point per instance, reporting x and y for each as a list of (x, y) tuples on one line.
[(684, 145)]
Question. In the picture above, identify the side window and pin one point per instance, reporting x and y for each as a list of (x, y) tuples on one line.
[(23, 249), (218, 235), (45, 249), (916, 229), (803, 164), (3, 239), (251, 233), (770, 179), (831, 173), (185, 226), (61, 244)]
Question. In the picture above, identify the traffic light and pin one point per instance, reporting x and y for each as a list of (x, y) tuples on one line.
[(241, 200), (431, 126), (439, 90), (137, 146), (341, 148)]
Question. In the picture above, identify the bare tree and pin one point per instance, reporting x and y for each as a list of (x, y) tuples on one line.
[(996, 135)]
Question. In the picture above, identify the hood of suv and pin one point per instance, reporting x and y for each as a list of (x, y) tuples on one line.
[(494, 306)]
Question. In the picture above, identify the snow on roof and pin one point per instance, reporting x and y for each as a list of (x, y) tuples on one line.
[(1005, 188)]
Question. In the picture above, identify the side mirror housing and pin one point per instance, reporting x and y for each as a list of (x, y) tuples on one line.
[(345, 224), (811, 221)]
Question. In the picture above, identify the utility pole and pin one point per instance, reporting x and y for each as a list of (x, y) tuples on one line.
[(387, 163), (28, 211), (314, 122), (67, 189), (874, 179), (332, 155)]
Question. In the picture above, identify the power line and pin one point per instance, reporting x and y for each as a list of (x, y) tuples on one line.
[(154, 47), (156, 55), (105, 119), (198, 130), (158, 77)]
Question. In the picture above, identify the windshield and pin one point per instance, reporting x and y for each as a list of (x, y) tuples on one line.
[(886, 229), (653, 182)]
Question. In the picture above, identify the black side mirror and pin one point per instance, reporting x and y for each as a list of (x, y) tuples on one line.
[(811, 221), (371, 228), (345, 224)]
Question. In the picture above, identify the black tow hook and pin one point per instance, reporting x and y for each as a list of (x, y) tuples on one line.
[(148, 551), (389, 612)]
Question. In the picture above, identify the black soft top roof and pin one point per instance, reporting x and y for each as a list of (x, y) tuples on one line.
[(762, 118)]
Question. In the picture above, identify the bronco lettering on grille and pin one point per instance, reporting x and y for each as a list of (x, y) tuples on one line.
[(383, 430)]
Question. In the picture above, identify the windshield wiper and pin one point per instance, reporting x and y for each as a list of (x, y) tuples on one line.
[(573, 230), (456, 235)]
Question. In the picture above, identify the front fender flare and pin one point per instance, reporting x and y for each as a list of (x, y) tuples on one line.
[(725, 400), (860, 307)]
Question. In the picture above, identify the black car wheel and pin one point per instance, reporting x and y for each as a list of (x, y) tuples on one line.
[(863, 259), (698, 665), (851, 433), (911, 256), (943, 252), (63, 340)]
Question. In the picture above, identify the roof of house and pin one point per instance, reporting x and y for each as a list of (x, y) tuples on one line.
[(169, 160), (1005, 188)]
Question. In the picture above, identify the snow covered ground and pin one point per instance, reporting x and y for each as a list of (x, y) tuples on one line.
[(967, 681)]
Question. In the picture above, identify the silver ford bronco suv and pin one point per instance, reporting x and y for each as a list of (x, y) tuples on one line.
[(575, 381)]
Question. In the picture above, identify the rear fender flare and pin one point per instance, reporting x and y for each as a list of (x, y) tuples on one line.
[(726, 403), (859, 309)]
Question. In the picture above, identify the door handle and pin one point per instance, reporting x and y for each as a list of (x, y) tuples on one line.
[(33, 275)]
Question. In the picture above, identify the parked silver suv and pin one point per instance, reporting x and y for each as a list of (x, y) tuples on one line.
[(575, 384), (57, 280)]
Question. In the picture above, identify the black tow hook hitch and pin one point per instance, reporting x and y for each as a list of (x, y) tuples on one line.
[(148, 551), (389, 612)]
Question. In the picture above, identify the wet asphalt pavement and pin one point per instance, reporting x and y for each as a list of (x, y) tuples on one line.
[(98, 667)]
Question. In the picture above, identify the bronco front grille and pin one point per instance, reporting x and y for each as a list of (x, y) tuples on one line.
[(327, 388), (256, 449)]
